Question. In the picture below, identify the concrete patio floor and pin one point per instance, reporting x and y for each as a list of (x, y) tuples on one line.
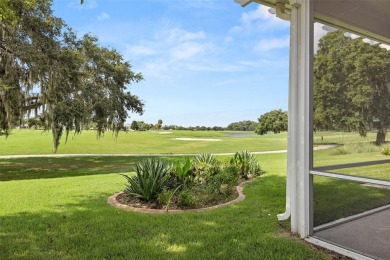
[(369, 235)]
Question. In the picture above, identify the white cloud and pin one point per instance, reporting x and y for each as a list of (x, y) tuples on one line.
[(179, 35), (271, 44), (212, 66), (139, 50), (103, 16), (319, 32), (228, 39), (171, 52), (189, 50), (259, 20), (88, 4)]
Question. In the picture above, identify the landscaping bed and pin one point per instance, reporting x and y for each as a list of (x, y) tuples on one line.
[(196, 183)]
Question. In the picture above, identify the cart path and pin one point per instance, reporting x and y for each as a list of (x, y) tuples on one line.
[(320, 147)]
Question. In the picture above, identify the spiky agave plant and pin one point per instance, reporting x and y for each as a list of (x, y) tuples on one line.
[(205, 166), (150, 179)]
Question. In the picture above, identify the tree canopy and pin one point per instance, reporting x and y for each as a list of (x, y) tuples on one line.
[(48, 72), (274, 121), (351, 86), (245, 125)]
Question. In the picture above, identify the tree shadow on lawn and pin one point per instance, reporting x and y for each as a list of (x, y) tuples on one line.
[(90, 228), (44, 168)]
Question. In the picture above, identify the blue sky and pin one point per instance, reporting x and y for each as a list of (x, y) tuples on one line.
[(205, 62)]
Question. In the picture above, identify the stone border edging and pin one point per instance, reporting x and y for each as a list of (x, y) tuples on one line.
[(113, 202)]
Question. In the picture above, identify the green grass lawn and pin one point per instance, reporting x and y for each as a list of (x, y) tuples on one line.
[(40, 142), (57, 207), (342, 137), (59, 210), (326, 158), (336, 198)]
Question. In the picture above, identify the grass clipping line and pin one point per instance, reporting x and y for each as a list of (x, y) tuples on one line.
[(113, 202)]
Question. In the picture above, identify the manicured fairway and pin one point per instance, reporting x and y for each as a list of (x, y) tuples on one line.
[(165, 142), (161, 142)]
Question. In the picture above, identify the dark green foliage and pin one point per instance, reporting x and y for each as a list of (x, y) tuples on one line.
[(184, 172), (46, 71), (351, 80), (134, 125), (159, 124), (186, 198), (246, 125), (150, 179), (274, 121), (229, 175), (165, 196)]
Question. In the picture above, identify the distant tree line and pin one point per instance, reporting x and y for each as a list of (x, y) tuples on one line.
[(246, 125), (142, 126)]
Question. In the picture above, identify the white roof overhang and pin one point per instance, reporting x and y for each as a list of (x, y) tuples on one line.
[(369, 18)]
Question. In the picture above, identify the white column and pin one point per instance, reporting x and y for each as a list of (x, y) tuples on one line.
[(299, 181)]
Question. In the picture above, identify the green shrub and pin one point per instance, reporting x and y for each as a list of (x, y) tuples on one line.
[(204, 161), (184, 172), (205, 166), (386, 151), (341, 150), (228, 179), (151, 176), (353, 148), (165, 197), (247, 164), (186, 198)]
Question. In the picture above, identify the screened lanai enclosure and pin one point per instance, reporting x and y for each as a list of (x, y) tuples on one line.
[(339, 99)]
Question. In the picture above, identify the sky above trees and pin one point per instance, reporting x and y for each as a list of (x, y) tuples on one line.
[(205, 62)]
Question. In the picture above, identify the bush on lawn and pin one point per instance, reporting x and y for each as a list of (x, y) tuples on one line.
[(386, 151)]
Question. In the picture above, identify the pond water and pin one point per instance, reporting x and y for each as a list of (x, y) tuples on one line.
[(241, 134)]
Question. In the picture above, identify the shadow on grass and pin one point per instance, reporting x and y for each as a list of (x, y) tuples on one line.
[(43, 168), (335, 199), (91, 229)]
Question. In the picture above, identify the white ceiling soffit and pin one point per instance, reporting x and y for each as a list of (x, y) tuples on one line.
[(370, 18)]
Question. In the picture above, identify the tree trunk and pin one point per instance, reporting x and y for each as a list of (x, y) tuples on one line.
[(380, 136)]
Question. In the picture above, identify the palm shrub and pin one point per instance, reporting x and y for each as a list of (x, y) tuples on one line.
[(150, 179), (247, 164), (204, 160), (205, 166)]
